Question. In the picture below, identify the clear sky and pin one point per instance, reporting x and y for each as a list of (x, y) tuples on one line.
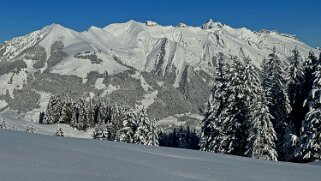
[(299, 17)]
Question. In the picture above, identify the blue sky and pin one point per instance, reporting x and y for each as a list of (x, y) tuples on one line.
[(299, 17)]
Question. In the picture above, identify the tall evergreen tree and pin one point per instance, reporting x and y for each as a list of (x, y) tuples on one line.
[(279, 103), (212, 136), (235, 123), (310, 138), (142, 131), (126, 134), (53, 111), (83, 119), (295, 88), (67, 110), (310, 66), (262, 136), (152, 136)]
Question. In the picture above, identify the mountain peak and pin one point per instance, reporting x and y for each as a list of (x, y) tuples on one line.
[(210, 24)]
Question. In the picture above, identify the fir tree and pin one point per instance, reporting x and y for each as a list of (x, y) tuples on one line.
[(152, 136), (142, 131), (59, 132), (295, 80), (261, 134), (53, 111), (212, 136), (75, 116), (126, 134), (67, 110), (115, 119), (3, 125), (83, 120), (235, 123), (100, 131), (31, 129), (310, 138), (279, 103)]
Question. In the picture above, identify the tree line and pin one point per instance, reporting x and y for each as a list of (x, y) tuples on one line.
[(271, 113)]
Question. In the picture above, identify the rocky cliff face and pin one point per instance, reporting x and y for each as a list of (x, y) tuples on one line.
[(167, 69)]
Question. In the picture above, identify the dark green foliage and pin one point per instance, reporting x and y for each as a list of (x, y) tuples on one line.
[(180, 138)]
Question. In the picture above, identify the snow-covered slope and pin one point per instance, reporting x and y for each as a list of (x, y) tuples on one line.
[(29, 157), (166, 68)]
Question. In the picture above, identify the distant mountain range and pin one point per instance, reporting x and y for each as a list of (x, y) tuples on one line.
[(167, 69)]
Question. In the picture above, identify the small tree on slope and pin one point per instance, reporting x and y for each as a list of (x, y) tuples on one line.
[(31, 129), (59, 131)]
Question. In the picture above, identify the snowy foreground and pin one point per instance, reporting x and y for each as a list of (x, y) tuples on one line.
[(33, 157)]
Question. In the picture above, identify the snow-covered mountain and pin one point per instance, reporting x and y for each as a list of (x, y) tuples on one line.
[(46, 158), (167, 69)]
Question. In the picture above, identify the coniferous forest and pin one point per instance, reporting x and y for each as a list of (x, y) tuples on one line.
[(272, 112)]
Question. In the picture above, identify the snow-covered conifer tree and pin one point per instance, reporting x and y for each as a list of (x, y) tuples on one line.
[(3, 125), (126, 134), (152, 136), (295, 87), (59, 131), (31, 129), (279, 103), (83, 120), (262, 136), (53, 111), (67, 110), (212, 136), (143, 121), (116, 116), (75, 116), (100, 131), (310, 138)]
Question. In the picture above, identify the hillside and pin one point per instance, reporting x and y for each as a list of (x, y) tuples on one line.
[(36, 157)]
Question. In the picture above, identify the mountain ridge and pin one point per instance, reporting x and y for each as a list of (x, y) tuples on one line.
[(168, 69)]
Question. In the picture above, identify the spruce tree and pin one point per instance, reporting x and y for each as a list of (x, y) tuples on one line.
[(100, 131), (295, 88), (53, 111), (3, 125), (279, 103), (310, 138), (262, 136), (67, 110), (30, 129), (212, 135), (142, 131), (126, 134), (83, 120), (59, 131), (152, 136), (235, 123)]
